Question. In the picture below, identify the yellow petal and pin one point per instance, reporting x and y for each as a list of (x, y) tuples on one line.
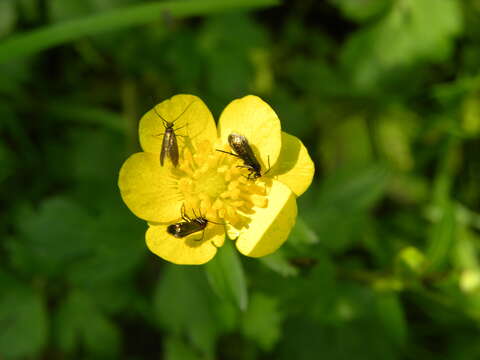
[(196, 123), (149, 189), (253, 118), (191, 250), (270, 226), (294, 167)]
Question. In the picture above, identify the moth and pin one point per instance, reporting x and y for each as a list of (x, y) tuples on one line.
[(169, 143), (243, 151), (189, 225)]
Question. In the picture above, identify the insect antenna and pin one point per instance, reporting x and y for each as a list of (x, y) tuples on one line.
[(183, 112), (269, 167), (165, 122), (195, 214)]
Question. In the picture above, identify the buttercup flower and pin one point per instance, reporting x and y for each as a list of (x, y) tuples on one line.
[(258, 214)]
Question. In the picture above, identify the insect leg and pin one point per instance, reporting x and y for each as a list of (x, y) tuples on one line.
[(269, 167), (213, 222), (184, 215), (203, 235), (181, 127)]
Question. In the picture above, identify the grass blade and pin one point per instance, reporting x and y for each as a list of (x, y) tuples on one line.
[(49, 36)]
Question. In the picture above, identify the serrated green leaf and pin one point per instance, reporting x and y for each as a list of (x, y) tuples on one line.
[(226, 276), (54, 235), (80, 323)]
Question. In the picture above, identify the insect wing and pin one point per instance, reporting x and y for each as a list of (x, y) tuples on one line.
[(169, 147), (185, 228), (240, 145)]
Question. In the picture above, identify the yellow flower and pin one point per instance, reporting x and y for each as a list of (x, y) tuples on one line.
[(258, 214)]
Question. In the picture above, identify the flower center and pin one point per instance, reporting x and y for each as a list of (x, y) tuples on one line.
[(212, 185)]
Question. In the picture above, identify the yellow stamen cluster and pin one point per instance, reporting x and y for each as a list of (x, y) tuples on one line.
[(210, 182)]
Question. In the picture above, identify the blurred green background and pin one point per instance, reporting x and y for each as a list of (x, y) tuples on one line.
[(383, 262)]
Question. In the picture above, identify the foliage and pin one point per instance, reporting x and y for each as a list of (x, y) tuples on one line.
[(383, 261)]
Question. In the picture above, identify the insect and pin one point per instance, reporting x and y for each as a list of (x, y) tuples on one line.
[(169, 143), (189, 226), (240, 145)]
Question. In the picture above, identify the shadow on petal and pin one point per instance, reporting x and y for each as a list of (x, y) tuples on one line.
[(294, 167), (194, 249), (269, 227)]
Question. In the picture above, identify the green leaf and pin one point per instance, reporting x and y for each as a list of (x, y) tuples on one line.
[(361, 340), (278, 263), (347, 143), (343, 203), (7, 162), (184, 305), (23, 320), (8, 17), (299, 294), (395, 130), (177, 349), (95, 159), (413, 31), (79, 322), (117, 248), (392, 316), (262, 321), (226, 42), (471, 114), (226, 276), (44, 38), (466, 253), (410, 262), (362, 10), (442, 238), (54, 235), (302, 234), (64, 111)]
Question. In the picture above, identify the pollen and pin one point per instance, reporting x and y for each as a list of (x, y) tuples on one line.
[(212, 184)]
